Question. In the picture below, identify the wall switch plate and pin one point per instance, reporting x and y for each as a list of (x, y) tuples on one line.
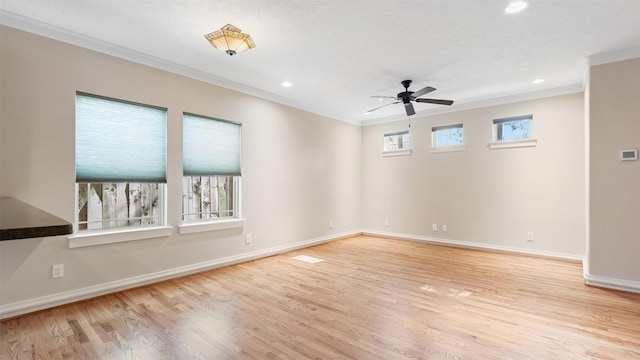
[(247, 239), (330, 224), (530, 236), (434, 227), (57, 271), (444, 228), (386, 223)]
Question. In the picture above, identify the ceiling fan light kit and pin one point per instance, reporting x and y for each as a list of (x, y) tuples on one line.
[(406, 97), (230, 39)]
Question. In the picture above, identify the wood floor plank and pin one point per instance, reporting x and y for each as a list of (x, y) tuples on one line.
[(370, 298)]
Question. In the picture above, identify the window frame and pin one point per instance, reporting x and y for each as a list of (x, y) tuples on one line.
[(435, 148), (496, 143), (89, 237), (221, 223), (389, 151)]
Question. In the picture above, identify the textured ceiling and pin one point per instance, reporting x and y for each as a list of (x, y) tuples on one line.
[(339, 53)]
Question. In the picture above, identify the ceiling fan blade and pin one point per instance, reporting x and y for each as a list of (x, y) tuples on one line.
[(435, 101), (374, 109), (409, 109), (384, 97), (423, 91)]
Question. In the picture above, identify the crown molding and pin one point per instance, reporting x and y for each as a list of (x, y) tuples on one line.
[(613, 56), (73, 38)]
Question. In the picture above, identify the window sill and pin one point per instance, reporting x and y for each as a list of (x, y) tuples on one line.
[(203, 226), (513, 144), (92, 238), (443, 149), (396, 153)]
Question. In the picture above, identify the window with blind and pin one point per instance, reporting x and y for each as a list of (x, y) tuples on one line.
[(121, 152), (211, 168)]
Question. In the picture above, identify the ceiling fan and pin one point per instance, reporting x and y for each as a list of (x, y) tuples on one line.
[(406, 97)]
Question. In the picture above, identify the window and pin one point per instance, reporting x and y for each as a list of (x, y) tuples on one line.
[(211, 168), (516, 128), (397, 143), (449, 137), (514, 132), (120, 163)]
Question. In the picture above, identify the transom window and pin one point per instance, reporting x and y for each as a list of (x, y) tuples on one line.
[(120, 163), (512, 129), (450, 135), (397, 141)]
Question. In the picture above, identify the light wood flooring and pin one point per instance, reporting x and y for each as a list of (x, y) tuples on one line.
[(371, 298)]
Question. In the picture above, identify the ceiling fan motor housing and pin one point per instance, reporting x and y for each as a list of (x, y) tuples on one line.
[(405, 96)]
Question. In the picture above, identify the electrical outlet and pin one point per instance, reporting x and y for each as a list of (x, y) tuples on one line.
[(247, 239), (57, 271), (444, 228), (330, 224), (530, 236), (386, 222), (434, 227)]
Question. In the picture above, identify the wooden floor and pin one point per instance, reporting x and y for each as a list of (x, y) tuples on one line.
[(370, 298)]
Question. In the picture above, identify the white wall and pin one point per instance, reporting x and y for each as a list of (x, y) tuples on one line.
[(300, 170), (614, 219), (489, 198)]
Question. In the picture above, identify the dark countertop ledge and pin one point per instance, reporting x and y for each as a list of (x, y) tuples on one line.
[(19, 220)]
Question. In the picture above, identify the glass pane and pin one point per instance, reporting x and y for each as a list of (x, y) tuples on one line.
[(397, 141), (517, 129), (117, 205), (207, 197), (448, 136)]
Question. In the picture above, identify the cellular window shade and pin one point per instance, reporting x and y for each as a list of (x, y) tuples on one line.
[(210, 146), (117, 141)]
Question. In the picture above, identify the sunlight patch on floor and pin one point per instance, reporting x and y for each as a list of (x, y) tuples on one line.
[(309, 259), (449, 292)]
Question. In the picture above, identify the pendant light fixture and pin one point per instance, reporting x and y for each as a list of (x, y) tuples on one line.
[(230, 39)]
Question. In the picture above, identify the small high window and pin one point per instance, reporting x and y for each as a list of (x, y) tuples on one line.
[(397, 143), (513, 132), (510, 129), (450, 135)]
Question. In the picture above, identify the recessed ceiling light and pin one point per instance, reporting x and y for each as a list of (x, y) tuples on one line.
[(286, 84), (516, 6), (368, 113), (537, 81)]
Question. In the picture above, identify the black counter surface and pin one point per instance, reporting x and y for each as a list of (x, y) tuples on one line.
[(19, 220)]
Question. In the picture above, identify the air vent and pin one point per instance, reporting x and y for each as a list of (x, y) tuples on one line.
[(629, 154)]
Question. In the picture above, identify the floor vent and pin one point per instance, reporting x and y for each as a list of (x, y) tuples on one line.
[(309, 259)]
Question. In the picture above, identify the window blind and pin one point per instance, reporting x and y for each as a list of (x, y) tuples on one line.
[(210, 146), (118, 141)]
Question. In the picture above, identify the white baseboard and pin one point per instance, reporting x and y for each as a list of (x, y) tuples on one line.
[(66, 297), (612, 283), (475, 245)]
